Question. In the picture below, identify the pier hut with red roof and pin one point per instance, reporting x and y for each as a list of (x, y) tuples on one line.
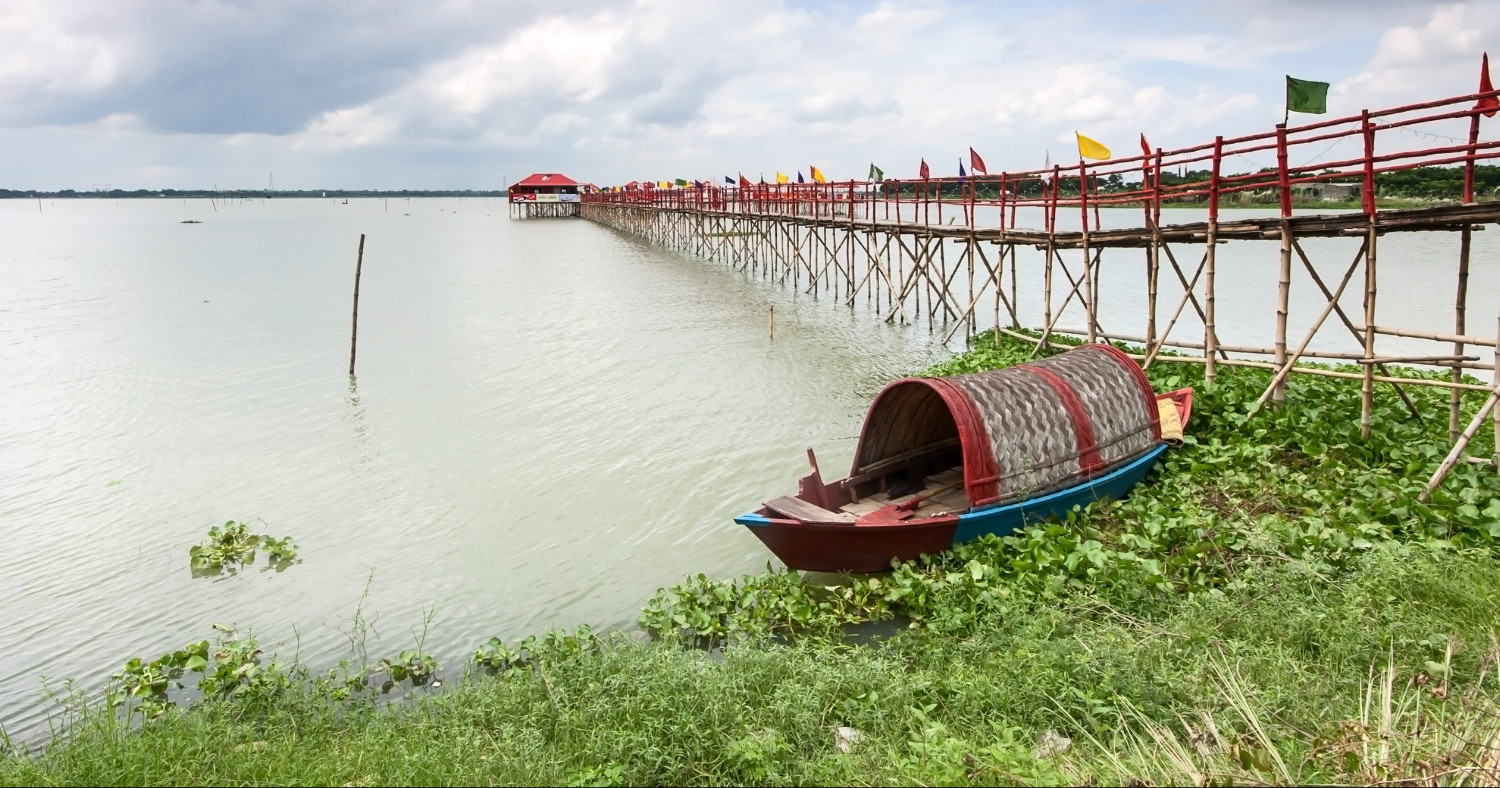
[(544, 194)]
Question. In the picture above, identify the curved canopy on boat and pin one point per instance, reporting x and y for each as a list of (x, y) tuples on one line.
[(1023, 430)]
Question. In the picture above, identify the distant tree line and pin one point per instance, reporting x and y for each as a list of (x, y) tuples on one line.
[(250, 194), (1422, 182)]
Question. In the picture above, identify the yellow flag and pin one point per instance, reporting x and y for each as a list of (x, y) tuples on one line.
[(817, 176), (1091, 149), (781, 178)]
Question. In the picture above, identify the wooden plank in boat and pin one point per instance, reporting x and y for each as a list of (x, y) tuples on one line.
[(867, 504), (946, 477), (863, 506), (809, 512)]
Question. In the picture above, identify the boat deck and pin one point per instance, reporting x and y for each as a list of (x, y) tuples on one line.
[(949, 501)]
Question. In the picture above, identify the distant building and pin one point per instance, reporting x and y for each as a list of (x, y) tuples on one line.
[(545, 187), (1326, 190)]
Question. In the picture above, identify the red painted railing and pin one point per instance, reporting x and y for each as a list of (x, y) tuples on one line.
[(1046, 193)]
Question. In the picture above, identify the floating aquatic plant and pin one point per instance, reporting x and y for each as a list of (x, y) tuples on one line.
[(231, 546)]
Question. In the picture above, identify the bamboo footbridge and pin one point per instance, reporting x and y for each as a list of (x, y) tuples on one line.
[(947, 248)]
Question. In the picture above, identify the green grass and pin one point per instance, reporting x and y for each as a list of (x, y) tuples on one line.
[(1271, 605)]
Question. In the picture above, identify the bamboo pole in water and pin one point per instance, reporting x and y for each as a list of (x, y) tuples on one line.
[(359, 264)]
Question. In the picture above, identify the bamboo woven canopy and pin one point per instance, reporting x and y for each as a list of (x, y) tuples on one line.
[(1023, 431)]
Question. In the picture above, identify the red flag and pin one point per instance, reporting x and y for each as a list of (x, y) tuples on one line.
[(1489, 104), (1145, 146), (977, 164), (924, 173), (744, 182)]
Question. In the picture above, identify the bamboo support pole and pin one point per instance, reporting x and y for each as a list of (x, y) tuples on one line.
[(1088, 276), (1283, 298), (1357, 358), (1210, 339), (1015, 304), (1312, 332), (1367, 390), (1324, 373), (1460, 309), (1460, 445), (1153, 270), (1047, 292), (999, 276), (1312, 272)]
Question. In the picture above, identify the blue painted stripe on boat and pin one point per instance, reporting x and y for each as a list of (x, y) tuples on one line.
[(1003, 519)]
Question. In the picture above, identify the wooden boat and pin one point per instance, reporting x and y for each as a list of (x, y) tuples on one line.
[(945, 460)]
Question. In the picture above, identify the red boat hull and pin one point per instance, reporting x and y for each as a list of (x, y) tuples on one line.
[(864, 548)]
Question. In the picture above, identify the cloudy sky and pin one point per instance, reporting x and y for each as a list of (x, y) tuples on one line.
[(471, 94)]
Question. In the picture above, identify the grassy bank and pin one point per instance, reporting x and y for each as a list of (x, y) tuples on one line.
[(1271, 605)]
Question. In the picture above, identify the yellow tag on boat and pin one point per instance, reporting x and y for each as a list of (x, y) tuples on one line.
[(1171, 421)]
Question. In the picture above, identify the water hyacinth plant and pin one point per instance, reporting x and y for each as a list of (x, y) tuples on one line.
[(231, 546)]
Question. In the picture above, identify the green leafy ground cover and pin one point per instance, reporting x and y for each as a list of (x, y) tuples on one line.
[(1271, 605)]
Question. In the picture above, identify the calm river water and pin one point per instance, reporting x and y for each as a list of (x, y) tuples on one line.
[(550, 422)]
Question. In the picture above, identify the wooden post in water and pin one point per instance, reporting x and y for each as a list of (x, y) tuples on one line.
[(359, 264), (771, 323)]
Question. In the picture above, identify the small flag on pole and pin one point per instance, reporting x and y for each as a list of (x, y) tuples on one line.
[(924, 173), (876, 174), (1487, 104), (817, 175), (1303, 95), (781, 178), (728, 180), (977, 164), (961, 173), (744, 182), (1090, 148), (799, 177)]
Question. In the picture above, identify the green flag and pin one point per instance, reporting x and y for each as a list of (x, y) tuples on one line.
[(680, 182), (1306, 96), (876, 174)]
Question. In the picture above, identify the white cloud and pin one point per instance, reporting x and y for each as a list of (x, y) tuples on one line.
[(46, 55), (1412, 59), (345, 128)]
